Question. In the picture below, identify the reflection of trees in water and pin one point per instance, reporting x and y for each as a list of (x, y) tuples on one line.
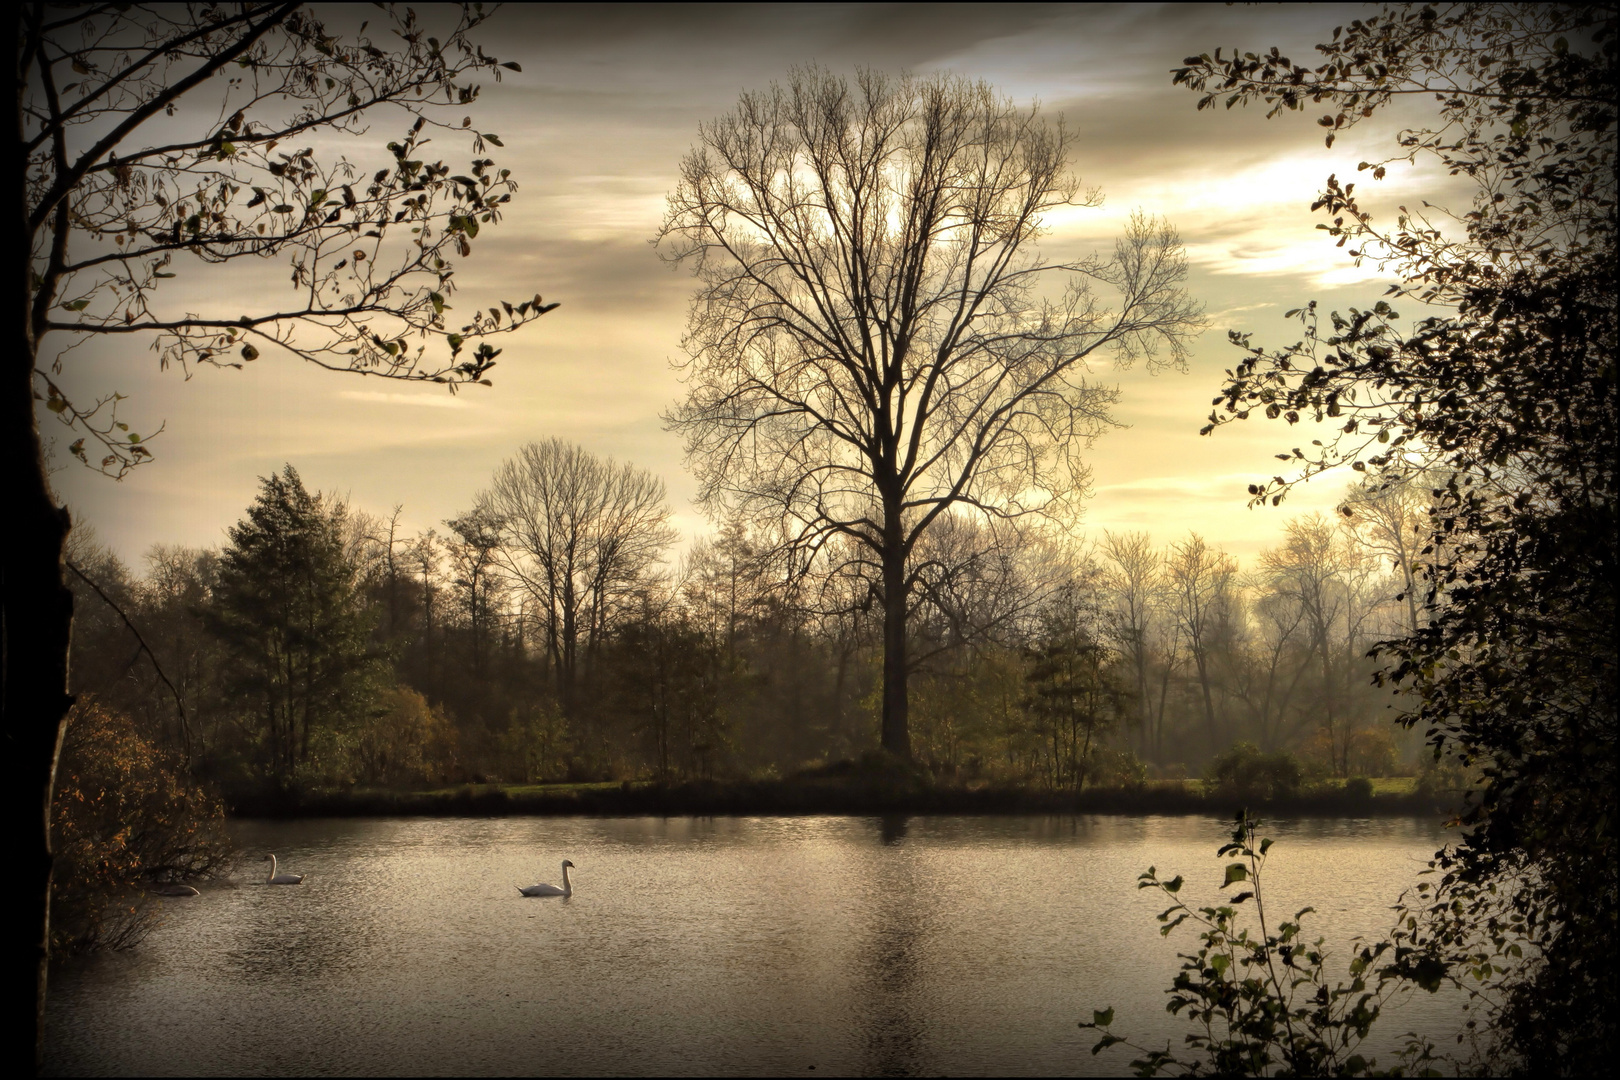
[(890, 1002), (292, 943), (315, 932), (333, 925)]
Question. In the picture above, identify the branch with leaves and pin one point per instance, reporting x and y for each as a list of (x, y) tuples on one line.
[(1260, 1002), (164, 142), (1499, 404)]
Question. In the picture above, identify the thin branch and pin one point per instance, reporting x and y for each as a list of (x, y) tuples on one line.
[(180, 704)]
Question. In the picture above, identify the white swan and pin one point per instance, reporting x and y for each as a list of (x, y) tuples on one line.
[(280, 879), (173, 890), (551, 890)]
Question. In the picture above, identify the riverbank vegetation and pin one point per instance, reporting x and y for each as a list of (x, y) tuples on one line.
[(871, 786), (323, 649)]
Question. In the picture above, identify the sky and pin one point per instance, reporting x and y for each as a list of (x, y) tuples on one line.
[(609, 99)]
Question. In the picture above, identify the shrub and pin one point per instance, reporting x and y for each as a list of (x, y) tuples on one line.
[(1116, 769), (536, 742), (1358, 788), (1372, 752), (1259, 1000), (402, 741), (124, 818), (1245, 772)]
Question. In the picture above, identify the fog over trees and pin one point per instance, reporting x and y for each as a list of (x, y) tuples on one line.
[(552, 633)]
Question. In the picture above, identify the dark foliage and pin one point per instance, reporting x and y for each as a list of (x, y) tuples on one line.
[(1506, 403), (113, 200), (1245, 774), (1258, 997), (287, 610)]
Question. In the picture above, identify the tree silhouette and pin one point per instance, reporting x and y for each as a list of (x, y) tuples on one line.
[(290, 615), (578, 534), (875, 343)]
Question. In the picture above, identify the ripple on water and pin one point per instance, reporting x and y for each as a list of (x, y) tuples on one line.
[(692, 946)]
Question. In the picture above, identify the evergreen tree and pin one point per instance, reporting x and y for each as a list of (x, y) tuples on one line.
[(1074, 697), (291, 615)]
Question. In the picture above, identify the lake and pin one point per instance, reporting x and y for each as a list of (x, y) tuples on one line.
[(698, 946)]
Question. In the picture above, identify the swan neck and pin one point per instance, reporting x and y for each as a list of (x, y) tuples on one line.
[(272, 876), (568, 886)]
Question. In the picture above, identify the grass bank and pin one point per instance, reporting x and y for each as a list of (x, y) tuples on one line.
[(1394, 796)]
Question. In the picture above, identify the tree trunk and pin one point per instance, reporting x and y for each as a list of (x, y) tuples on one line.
[(1209, 700), (36, 625), (570, 641), (896, 729), (1144, 705), (1164, 698), (838, 691), (1327, 704)]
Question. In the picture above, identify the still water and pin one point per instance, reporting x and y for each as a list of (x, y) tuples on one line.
[(696, 946)]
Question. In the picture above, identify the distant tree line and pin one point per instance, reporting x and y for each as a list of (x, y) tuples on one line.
[(550, 633)]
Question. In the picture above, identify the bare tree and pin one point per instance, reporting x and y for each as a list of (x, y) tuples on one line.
[(392, 572), (425, 556), (1334, 582), (472, 547), (154, 144), (1390, 517), (874, 340), (1135, 584), (1200, 581), (578, 534), (1276, 661), (976, 585), (725, 584)]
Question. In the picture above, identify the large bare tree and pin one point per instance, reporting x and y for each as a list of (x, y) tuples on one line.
[(154, 148), (578, 534), (875, 342)]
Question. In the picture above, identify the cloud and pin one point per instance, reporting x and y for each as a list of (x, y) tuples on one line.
[(1180, 488), (1215, 317), (439, 400), (609, 100), (1308, 259)]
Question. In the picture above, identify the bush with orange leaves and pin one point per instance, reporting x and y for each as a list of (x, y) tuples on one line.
[(125, 820)]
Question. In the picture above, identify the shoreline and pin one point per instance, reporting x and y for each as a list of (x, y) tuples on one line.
[(791, 798)]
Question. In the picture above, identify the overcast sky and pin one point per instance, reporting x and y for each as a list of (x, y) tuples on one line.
[(610, 98)]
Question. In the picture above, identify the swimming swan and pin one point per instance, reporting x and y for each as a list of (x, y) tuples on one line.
[(551, 890), (173, 890), (280, 879)]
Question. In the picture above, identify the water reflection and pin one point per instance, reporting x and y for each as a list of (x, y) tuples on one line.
[(891, 997)]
